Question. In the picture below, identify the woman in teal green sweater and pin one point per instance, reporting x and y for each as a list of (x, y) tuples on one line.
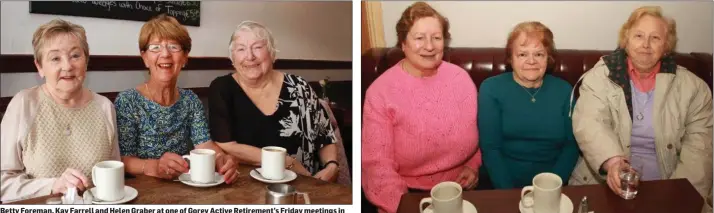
[(523, 122)]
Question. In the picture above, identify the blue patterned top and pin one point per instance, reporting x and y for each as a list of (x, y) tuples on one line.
[(147, 130)]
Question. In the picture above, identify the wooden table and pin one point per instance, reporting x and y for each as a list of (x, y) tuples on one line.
[(676, 195), (245, 190)]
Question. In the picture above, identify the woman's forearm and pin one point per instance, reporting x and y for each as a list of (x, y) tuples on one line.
[(246, 154), (137, 166), (16, 185), (328, 153)]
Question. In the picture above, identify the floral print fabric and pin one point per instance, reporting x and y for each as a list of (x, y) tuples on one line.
[(148, 130)]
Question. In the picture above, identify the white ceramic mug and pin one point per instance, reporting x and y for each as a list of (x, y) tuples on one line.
[(202, 164), (272, 162), (545, 193), (108, 178), (445, 198)]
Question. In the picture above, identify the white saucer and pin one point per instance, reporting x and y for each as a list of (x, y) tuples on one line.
[(467, 206), (129, 194), (289, 176), (186, 179), (565, 205)]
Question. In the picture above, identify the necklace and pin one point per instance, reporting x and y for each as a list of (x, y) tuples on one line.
[(639, 115), (261, 94), (151, 94), (67, 130), (533, 99)]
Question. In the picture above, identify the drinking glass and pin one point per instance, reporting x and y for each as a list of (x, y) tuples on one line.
[(630, 180)]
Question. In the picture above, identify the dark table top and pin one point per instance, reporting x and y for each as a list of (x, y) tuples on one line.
[(676, 195)]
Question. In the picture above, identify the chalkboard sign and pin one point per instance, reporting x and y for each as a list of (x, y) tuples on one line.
[(186, 12)]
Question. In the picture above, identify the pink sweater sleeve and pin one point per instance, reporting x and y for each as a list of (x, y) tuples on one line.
[(382, 184), (475, 161)]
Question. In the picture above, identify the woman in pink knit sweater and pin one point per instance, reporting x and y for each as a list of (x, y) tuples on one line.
[(419, 117)]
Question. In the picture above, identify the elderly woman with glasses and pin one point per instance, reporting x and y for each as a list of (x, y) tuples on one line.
[(257, 106), (54, 133), (159, 122)]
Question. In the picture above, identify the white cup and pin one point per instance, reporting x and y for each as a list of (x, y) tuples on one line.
[(445, 198), (108, 178), (202, 164), (545, 193), (272, 162)]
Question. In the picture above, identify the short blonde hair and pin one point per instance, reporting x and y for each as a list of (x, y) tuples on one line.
[(259, 31), (415, 12), (654, 11), (54, 28), (164, 27), (532, 30)]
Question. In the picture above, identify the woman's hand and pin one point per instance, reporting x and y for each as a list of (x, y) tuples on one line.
[(614, 166), (70, 178), (298, 168), (227, 165), (170, 166), (328, 174), (468, 178)]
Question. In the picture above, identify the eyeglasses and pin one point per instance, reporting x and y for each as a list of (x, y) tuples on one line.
[(174, 48)]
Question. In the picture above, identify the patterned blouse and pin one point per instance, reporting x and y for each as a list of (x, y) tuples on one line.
[(147, 130), (300, 124)]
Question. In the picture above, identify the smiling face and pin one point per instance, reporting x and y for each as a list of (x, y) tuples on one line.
[(64, 64), (424, 44), (529, 59), (646, 42), (251, 55), (164, 58)]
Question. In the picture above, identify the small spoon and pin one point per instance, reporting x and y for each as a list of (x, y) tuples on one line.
[(261, 175)]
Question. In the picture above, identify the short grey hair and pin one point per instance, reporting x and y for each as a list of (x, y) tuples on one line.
[(259, 30), (56, 27)]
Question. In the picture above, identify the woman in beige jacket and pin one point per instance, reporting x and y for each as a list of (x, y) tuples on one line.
[(636, 105)]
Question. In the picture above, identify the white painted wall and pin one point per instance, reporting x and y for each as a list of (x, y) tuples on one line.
[(575, 25), (302, 30)]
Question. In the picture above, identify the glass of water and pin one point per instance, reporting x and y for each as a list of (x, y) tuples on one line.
[(630, 180)]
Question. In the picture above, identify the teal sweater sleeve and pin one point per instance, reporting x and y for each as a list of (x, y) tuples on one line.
[(569, 155), (490, 137)]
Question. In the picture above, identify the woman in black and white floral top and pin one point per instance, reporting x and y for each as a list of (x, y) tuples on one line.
[(257, 106)]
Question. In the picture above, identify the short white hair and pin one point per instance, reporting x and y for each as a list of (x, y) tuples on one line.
[(259, 30)]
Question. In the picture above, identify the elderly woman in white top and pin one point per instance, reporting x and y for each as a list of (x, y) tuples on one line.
[(52, 134)]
